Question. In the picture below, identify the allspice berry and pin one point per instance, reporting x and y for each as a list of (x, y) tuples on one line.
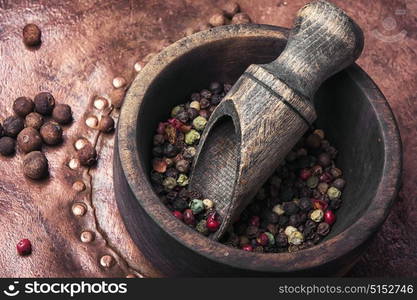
[(106, 124), (231, 8), (217, 20), (7, 146), (44, 103), (241, 18), (35, 165), (34, 120), (22, 106), (117, 96), (29, 140), (51, 133), (31, 35), (12, 126), (62, 114), (87, 155)]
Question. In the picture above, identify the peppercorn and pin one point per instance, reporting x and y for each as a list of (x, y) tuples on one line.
[(336, 172), (281, 239), (319, 204), (31, 35), (7, 146), (329, 217), (295, 238), (247, 248), (262, 239), (204, 103), (170, 150), (176, 110), (183, 116), (212, 224), (290, 208), (335, 203), (182, 166), (195, 105), (241, 18), (62, 114), (158, 139), (283, 220), (324, 159), (331, 151), (252, 231), (271, 217), (22, 106), (316, 215), (317, 170), (339, 183), (278, 209), (172, 172), (217, 20), (313, 141), (24, 247), (322, 187), (178, 215), (323, 229), (255, 221), (191, 137), (35, 165), (172, 195), (44, 103), (294, 220), (312, 182), (87, 155), (157, 151), (319, 132), (208, 204), (12, 126), (182, 180), (189, 218), (195, 97), (231, 8), (156, 177), (215, 87), (159, 165), (305, 174), (197, 206), (169, 183), (305, 204), (202, 227), (180, 204), (29, 140), (333, 193)]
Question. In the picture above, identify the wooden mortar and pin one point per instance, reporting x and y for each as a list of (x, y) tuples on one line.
[(269, 109)]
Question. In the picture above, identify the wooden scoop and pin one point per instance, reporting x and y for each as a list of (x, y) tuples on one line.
[(269, 109)]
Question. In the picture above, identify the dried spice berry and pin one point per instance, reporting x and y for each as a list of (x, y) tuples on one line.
[(29, 140), (305, 174), (195, 105), (182, 180), (323, 187), (7, 146), (34, 120), (62, 114), (87, 155), (197, 206), (336, 172), (199, 123), (217, 20), (159, 165), (231, 8), (317, 215), (192, 137), (252, 231), (51, 133), (44, 103), (12, 126), (324, 159), (35, 165), (247, 248), (333, 193), (213, 225), (296, 238), (106, 124), (189, 218), (178, 215), (305, 205), (180, 204), (32, 35), (323, 229), (281, 239), (169, 183), (22, 106), (329, 217), (182, 165), (241, 18), (290, 208), (312, 182), (313, 141), (202, 227), (339, 183), (24, 247)]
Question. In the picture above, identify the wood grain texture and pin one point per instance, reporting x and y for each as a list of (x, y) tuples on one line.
[(93, 41), (270, 108)]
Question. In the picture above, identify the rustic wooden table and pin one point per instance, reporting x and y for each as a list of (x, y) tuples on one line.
[(85, 45)]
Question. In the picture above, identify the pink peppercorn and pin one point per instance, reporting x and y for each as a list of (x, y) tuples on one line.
[(213, 225), (305, 174), (319, 204), (329, 217), (177, 124), (262, 239), (189, 217), (24, 247), (178, 215)]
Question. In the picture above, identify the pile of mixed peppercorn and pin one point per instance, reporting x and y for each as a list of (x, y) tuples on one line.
[(294, 210)]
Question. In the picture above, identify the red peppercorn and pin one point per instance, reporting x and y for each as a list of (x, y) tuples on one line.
[(189, 217), (213, 216), (24, 247), (177, 124), (178, 215), (262, 239), (255, 221), (329, 217), (319, 204), (248, 248), (305, 174), (326, 177), (213, 225)]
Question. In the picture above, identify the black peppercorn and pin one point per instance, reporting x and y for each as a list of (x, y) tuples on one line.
[(172, 195), (283, 220), (335, 203), (180, 204), (44, 103), (182, 166), (324, 159), (252, 231), (195, 97), (157, 177), (339, 183), (206, 94), (290, 208), (22, 106), (172, 172), (170, 150), (29, 140), (204, 103), (7, 146), (106, 124), (281, 239), (62, 114), (31, 35), (34, 120), (216, 87), (158, 151), (323, 229), (158, 139), (272, 218), (87, 155), (305, 204), (216, 99), (51, 133), (35, 165), (12, 126), (192, 113)]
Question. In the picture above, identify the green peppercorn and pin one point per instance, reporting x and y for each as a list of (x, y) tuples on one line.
[(271, 238), (191, 137), (202, 227), (199, 123), (339, 183), (176, 110), (312, 182), (182, 180), (169, 183), (333, 193)]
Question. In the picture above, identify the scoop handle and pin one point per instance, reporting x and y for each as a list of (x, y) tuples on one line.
[(322, 42)]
